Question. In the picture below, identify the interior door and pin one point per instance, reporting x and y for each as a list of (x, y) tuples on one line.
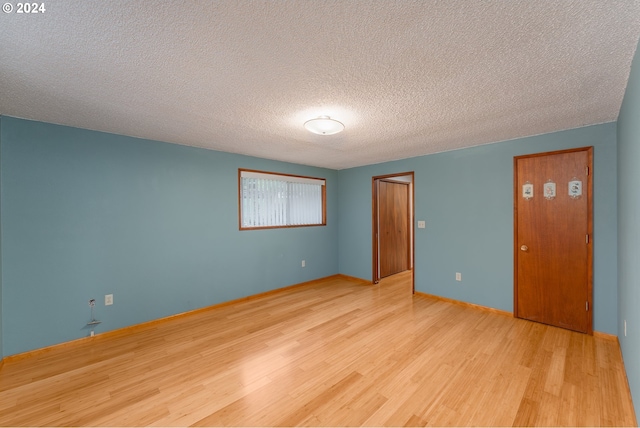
[(553, 238), (393, 199)]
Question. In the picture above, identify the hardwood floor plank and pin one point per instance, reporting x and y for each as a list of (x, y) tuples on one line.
[(331, 352), (527, 413), (555, 375)]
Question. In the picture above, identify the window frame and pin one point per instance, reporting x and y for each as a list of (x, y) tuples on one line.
[(280, 174)]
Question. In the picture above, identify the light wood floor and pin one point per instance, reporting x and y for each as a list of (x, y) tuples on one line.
[(331, 353)]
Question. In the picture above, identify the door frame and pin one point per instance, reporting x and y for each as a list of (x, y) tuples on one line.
[(376, 221), (589, 195)]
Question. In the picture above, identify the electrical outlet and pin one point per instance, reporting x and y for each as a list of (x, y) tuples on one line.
[(458, 276), (108, 299), (421, 224), (304, 263)]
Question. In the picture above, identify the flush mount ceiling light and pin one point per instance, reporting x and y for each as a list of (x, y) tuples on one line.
[(324, 125)]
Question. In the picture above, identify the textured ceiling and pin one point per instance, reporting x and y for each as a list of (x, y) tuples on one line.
[(406, 78)]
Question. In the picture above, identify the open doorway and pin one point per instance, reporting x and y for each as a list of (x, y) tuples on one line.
[(393, 219)]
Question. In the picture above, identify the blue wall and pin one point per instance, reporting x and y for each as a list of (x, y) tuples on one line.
[(1, 330), (629, 229), (466, 199), (86, 213)]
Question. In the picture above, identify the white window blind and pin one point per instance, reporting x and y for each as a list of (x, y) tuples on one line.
[(273, 200)]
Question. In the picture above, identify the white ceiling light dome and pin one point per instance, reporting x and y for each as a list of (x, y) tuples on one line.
[(324, 125)]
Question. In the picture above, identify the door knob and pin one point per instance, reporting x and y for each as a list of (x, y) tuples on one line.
[(524, 248)]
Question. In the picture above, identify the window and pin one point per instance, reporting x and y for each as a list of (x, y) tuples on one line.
[(269, 200)]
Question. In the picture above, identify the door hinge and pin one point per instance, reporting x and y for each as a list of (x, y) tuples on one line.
[(587, 168), (586, 238), (586, 306)]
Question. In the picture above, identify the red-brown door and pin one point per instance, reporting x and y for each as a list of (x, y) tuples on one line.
[(553, 239), (393, 199)]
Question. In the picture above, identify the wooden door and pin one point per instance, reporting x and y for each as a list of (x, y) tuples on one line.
[(393, 199), (553, 239)]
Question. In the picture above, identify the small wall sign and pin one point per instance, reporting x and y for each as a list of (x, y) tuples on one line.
[(575, 188), (527, 190), (549, 190)]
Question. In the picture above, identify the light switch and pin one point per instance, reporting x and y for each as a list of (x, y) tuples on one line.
[(421, 224)]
